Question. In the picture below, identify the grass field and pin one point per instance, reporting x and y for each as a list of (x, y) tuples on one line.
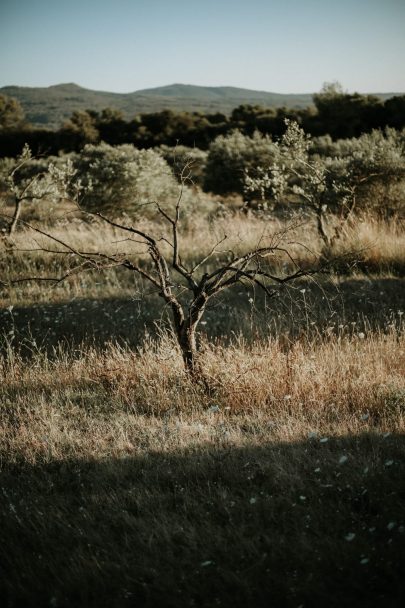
[(124, 483)]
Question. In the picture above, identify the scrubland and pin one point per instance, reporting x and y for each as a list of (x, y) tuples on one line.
[(126, 483)]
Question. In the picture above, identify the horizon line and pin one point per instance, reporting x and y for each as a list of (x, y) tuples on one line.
[(224, 86)]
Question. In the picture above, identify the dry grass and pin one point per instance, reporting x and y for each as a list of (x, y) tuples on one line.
[(338, 385), (377, 240), (135, 487), (375, 246), (123, 483), (199, 234), (380, 245)]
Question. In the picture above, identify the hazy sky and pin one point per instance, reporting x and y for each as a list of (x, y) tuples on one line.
[(285, 46)]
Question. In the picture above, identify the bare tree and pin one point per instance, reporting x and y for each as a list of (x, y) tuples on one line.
[(186, 289)]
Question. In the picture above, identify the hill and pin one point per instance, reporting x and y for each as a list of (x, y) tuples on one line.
[(50, 106)]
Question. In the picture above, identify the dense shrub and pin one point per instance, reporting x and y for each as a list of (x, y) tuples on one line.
[(375, 166), (366, 174), (123, 180), (229, 158), (179, 157)]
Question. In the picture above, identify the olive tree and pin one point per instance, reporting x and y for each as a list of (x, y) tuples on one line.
[(295, 176), (28, 179), (331, 186)]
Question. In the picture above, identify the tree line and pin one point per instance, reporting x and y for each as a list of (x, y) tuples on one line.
[(334, 112)]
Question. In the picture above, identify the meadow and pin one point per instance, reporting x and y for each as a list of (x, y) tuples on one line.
[(280, 481)]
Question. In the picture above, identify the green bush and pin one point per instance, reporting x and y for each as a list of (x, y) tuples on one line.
[(365, 174), (375, 165), (123, 180), (230, 156), (179, 157)]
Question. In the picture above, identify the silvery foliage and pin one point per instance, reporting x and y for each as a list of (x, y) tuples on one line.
[(124, 180), (231, 156), (295, 175), (31, 179), (377, 163), (332, 176), (375, 146), (178, 155)]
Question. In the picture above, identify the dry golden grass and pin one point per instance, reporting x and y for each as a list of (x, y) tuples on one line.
[(380, 245), (94, 401), (123, 483), (199, 233), (375, 246)]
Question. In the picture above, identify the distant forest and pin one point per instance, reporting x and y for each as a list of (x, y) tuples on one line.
[(334, 112)]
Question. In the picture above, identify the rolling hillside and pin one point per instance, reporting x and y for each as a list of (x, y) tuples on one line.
[(50, 106)]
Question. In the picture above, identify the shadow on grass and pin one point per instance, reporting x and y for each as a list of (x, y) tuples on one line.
[(356, 304), (285, 524)]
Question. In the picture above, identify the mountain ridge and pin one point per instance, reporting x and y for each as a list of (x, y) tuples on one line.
[(51, 106)]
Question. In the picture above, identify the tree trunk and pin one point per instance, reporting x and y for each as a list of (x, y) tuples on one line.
[(321, 228), (15, 218), (186, 330), (187, 340), (188, 345)]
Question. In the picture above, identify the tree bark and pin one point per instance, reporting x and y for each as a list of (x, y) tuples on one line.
[(321, 227), (15, 218), (187, 340)]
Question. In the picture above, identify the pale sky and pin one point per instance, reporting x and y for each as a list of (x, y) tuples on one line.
[(283, 46)]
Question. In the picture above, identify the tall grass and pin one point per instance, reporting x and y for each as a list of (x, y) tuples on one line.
[(342, 384), (374, 246), (123, 483), (379, 245)]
